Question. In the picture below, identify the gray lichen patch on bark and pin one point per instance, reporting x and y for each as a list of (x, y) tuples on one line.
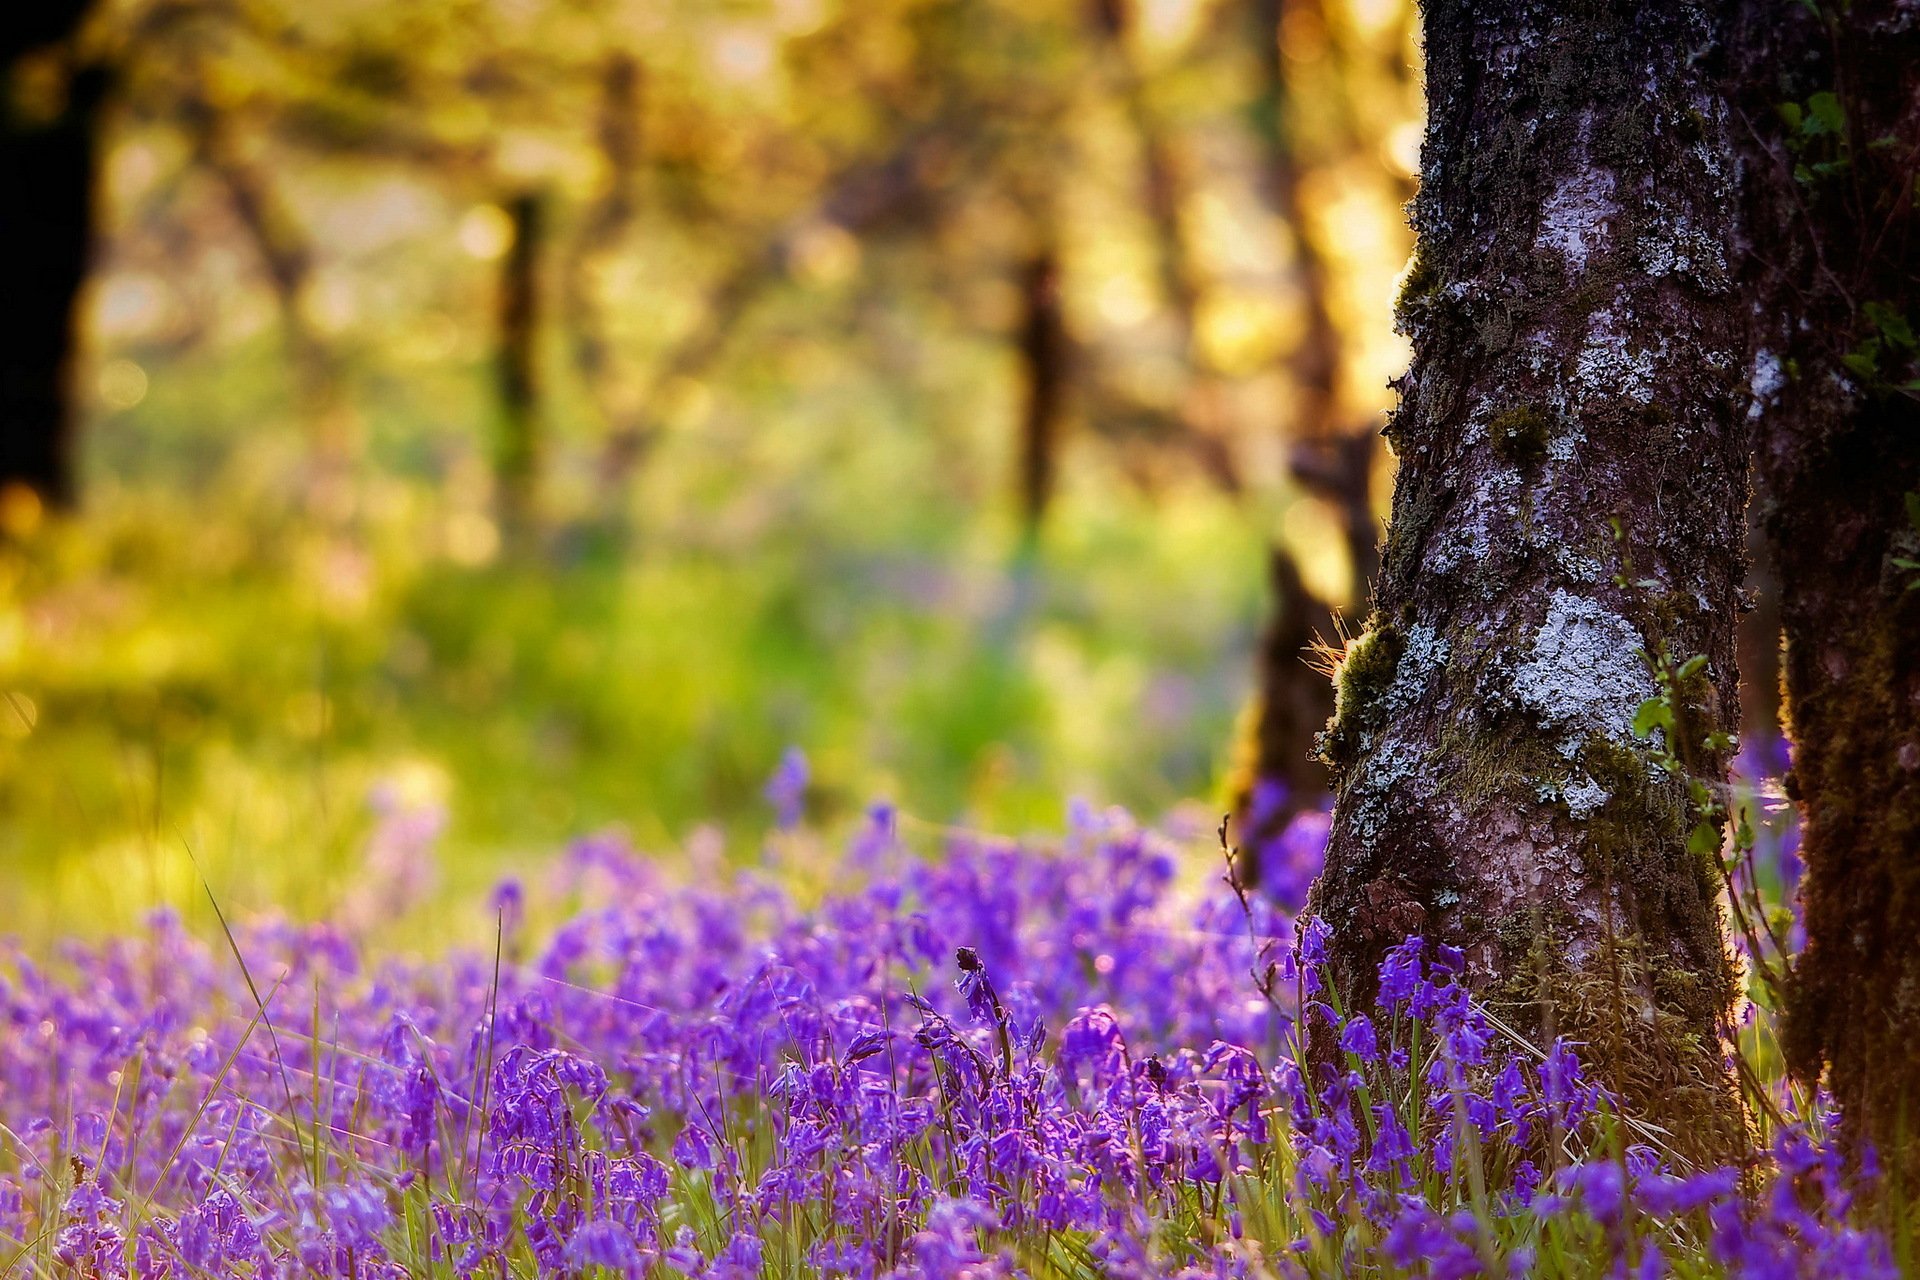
[(1586, 673), (1612, 365), (1578, 217)]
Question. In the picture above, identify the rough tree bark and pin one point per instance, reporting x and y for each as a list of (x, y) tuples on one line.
[(1829, 100), (1578, 368), (49, 156)]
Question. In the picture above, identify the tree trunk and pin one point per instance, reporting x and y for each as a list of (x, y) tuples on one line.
[(49, 159), (1831, 105), (1757, 642), (287, 258), (1277, 774), (1200, 420), (516, 362), (1572, 478), (1043, 357), (607, 223), (1332, 459)]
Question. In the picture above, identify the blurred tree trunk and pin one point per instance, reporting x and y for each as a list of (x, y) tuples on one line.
[(516, 360), (1757, 641), (1043, 358), (1572, 478), (862, 199), (608, 220), (1332, 459), (287, 257), (1830, 99), (49, 159), (1200, 420)]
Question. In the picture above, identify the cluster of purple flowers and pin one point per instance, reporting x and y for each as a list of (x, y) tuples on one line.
[(1002, 1060)]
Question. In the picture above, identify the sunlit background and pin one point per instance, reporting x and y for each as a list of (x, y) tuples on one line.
[(507, 419)]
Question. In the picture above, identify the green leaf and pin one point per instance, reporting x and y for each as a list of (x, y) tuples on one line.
[(1792, 115), (1704, 840), (1691, 667), (1891, 323), (1653, 714), (1913, 508), (1864, 362), (1828, 115)]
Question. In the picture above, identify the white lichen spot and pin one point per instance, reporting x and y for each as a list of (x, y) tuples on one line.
[(1577, 564), (1423, 654), (1610, 366), (1576, 219), (1393, 769), (1565, 444), (1585, 674), (1585, 798), (1467, 538), (1766, 383)]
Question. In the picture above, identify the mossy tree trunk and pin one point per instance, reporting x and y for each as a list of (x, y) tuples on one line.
[(1573, 461), (50, 104), (1830, 97)]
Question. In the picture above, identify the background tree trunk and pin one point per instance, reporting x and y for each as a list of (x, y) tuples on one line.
[(288, 260), (1757, 642), (1830, 101), (49, 159), (516, 362), (1577, 370), (1043, 358), (1332, 459)]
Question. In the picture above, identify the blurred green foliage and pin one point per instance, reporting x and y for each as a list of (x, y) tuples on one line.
[(778, 406), (240, 686)]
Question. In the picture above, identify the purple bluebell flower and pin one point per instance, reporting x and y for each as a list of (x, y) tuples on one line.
[(1358, 1038), (787, 789)]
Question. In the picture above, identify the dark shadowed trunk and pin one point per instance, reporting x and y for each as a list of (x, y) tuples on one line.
[(1572, 477), (49, 157), (1332, 459), (1277, 774), (516, 361), (1043, 360), (1757, 641), (1830, 102)]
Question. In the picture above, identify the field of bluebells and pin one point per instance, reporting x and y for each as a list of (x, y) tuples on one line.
[(977, 1058)]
